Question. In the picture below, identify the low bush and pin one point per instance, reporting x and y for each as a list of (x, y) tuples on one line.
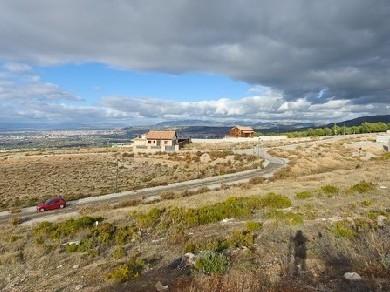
[(63, 229), (148, 219), (289, 218), (253, 226), (169, 195), (214, 244), (15, 220), (366, 203), (273, 200), (386, 156), (127, 154), (210, 262), (125, 272), (177, 235), (256, 180), (373, 214), (234, 207), (118, 252), (304, 195), (342, 230), (125, 234), (127, 203), (241, 238), (329, 189), (362, 187)]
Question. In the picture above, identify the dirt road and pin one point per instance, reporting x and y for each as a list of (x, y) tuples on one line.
[(271, 165)]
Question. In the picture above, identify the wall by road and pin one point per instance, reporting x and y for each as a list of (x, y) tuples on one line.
[(238, 139)]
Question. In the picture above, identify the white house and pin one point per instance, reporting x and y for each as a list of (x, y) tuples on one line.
[(155, 141)]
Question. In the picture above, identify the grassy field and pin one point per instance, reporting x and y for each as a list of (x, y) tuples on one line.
[(298, 232), (29, 177)]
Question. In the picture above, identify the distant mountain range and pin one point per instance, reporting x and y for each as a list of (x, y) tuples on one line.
[(207, 123), (365, 119), (215, 129), (197, 127)]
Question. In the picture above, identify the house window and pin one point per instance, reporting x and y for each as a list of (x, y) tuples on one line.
[(149, 142), (166, 142)]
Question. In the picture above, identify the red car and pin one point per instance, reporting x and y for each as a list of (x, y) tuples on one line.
[(51, 204)]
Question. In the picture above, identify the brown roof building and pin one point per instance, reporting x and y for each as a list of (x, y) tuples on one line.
[(242, 131), (156, 140), (161, 135)]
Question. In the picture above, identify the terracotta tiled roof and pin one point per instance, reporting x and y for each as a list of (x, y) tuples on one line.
[(245, 129), (161, 135)]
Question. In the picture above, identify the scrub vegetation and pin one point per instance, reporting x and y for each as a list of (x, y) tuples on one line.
[(290, 233)]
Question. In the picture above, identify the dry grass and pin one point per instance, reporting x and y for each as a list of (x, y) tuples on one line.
[(29, 177), (341, 234)]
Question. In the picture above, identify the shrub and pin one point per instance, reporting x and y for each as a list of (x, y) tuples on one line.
[(15, 220), (273, 200), (366, 203), (124, 234), (128, 271), (72, 226), (241, 238), (177, 236), (329, 189), (213, 244), (290, 218), (256, 180), (304, 195), (237, 207), (362, 187), (210, 262), (118, 252), (168, 195), (149, 219), (119, 274), (253, 226), (342, 230), (386, 156), (104, 233), (373, 214), (127, 203)]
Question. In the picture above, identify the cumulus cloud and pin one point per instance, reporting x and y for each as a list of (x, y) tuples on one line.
[(25, 98), (318, 60), (269, 107), (299, 46)]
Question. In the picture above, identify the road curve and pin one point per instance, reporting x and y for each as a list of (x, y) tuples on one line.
[(271, 165)]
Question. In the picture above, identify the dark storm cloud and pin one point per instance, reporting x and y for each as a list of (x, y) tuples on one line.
[(317, 51)]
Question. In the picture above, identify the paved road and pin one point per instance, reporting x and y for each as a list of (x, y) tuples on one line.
[(272, 164)]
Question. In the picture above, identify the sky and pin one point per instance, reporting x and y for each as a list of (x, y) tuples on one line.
[(138, 62)]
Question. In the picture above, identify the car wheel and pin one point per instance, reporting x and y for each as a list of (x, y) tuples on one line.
[(62, 206), (41, 210)]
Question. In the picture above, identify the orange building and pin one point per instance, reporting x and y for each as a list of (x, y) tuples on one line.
[(241, 131)]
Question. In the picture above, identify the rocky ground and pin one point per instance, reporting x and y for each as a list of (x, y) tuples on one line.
[(321, 226)]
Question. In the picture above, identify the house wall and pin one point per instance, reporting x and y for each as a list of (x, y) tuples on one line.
[(235, 132), (150, 146), (244, 134)]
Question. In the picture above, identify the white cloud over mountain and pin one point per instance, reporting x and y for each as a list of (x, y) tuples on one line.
[(26, 98), (320, 59)]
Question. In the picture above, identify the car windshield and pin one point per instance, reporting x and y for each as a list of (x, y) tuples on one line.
[(50, 201)]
